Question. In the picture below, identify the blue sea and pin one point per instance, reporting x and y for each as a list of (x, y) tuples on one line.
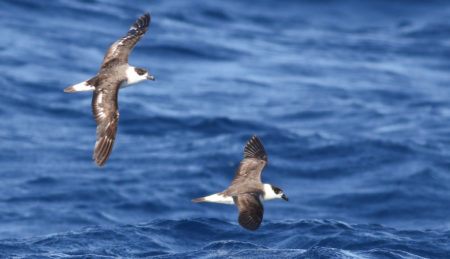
[(350, 98)]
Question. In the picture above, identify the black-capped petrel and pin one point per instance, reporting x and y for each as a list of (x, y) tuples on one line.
[(247, 191), (114, 73)]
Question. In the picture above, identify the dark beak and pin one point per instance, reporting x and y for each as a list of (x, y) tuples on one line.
[(284, 197), (150, 77)]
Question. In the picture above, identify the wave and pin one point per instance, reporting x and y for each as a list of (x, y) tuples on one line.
[(217, 238)]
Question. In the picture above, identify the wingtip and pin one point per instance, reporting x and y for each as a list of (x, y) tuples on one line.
[(141, 25), (102, 151), (249, 223), (255, 149), (198, 200), (250, 228), (146, 17), (143, 21), (254, 138), (99, 163)]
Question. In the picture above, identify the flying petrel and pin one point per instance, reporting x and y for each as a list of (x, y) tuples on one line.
[(247, 191), (114, 73)]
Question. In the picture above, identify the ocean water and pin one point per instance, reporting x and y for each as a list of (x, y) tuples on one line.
[(350, 98)]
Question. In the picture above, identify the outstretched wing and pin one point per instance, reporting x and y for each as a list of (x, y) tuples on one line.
[(251, 167), (119, 50), (251, 210), (106, 113)]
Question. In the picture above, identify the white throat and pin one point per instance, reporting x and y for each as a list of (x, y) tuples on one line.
[(269, 194), (132, 77)]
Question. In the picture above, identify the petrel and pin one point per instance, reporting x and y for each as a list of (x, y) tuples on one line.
[(247, 191), (114, 73)]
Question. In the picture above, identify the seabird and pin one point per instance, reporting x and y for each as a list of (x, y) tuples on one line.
[(114, 73), (247, 191)]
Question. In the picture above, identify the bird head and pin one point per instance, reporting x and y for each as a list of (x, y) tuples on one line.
[(143, 74), (273, 192)]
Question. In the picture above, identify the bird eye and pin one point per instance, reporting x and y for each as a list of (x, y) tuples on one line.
[(276, 190)]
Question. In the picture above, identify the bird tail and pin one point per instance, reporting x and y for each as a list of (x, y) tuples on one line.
[(216, 198), (80, 87), (202, 199)]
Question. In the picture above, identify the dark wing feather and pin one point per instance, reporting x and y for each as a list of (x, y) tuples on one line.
[(255, 159), (250, 209), (255, 149), (106, 113), (119, 50)]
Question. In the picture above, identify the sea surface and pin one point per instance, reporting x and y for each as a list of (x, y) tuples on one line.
[(350, 98)]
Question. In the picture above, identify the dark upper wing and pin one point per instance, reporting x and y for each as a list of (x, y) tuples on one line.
[(255, 149), (255, 159), (250, 209), (120, 49), (106, 113)]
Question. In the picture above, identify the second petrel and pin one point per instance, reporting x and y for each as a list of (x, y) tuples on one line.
[(247, 191), (114, 73)]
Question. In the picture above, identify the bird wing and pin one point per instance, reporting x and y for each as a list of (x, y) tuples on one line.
[(250, 209), (106, 114), (251, 167), (119, 50)]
